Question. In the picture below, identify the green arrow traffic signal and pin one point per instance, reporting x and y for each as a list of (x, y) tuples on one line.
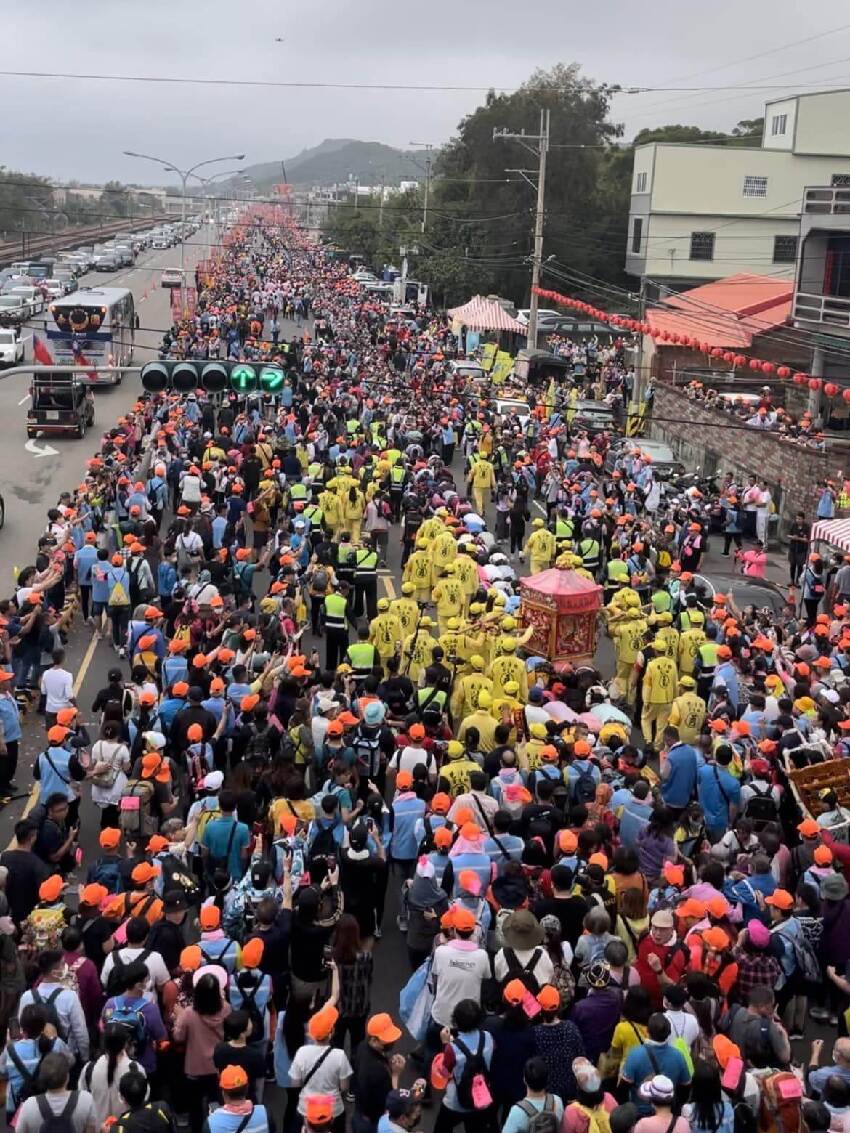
[(271, 379), (243, 378)]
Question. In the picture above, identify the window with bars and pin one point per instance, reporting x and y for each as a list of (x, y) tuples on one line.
[(784, 249), (755, 186), (637, 234), (778, 124), (840, 181), (702, 245), (640, 183)]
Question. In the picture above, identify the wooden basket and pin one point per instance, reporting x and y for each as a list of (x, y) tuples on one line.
[(810, 781)]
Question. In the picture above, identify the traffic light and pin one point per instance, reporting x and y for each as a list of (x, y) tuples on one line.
[(214, 377)]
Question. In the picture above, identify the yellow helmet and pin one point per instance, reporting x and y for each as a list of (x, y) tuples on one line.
[(453, 623), (477, 662), (538, 522), (407, 588), (383, 603), (538, 730), (421, 544), (500, 599), (449, 568), (508, 644), (511, 687), (425, 622), (659, 645), (476, 608), (508, 623)]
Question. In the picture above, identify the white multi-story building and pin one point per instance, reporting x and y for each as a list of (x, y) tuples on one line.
[(702, 212)]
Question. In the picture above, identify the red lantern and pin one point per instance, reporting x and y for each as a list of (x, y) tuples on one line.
[(728, 356), (767, 367), (846, 394), (754, 364), (716, 352), (814, 384), (739, 360), (675, 339), (783, 372), (830, 389)]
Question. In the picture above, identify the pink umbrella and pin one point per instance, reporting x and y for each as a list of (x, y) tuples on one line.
[(560, 712), (594, 724)]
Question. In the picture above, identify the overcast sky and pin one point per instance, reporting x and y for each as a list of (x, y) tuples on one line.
[(78, 129)]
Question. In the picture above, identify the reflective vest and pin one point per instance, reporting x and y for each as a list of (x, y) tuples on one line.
[(431, 697), (298, 491), (314, 513), (590, 552), (563, 528), (365, 565), (397, 475), (363, 657), (618, 571), (708, 658), (336, 612)]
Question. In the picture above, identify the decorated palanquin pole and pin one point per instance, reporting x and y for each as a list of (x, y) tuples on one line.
[(561, 607)]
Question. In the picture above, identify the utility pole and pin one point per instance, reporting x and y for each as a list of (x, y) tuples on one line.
[(381, 204), (640, 384), (537, 144), (428, 147)]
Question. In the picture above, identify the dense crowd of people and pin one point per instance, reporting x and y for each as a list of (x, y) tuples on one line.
[(597, 892)]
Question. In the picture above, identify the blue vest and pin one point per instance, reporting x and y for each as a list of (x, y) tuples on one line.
[(54, 776), (478, 863), (221, 1121), (405, 845)]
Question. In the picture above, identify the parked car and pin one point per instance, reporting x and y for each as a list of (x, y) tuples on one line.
[(13, 310), (32, 297), (594, 416), (171, 277), (11, 347), (664, 461)]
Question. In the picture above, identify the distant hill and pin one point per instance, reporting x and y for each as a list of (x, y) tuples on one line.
[(337, 159)]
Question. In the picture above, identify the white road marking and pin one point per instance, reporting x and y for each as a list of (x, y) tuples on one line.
[(41, 450), (539, 506), (26, 397)]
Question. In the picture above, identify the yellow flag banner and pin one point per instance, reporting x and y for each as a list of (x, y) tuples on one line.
[(549, 398), (636, 420), (501, 367), (488, 355)]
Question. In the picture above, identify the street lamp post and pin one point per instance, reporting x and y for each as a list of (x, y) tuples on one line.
[(207, 181), (184, 175)]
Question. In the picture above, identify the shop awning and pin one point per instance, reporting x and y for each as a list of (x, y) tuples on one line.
[(483, 314), (836, 532)]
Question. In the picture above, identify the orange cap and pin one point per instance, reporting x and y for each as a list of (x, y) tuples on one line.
[(441, 803), (252, 952), (780, 899), (156, 843), (321, 1025), (715, 938), (514, 992), (66, 716), (51, 888), (404, 780), (210, 917), (549, 998), (57, 734), (463, 919), (318, 1109), (232, 1078), (809, 828), (194, 733), (191, 958), (110, 837)]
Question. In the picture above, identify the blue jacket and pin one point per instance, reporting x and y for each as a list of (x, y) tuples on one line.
[(406, 809)]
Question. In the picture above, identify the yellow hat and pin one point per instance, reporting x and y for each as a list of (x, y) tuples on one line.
[(511, 687), (449, 568), (476, 608), (508, 644), (500, 599), (508, 623), (407, 588), (425, 622), (484, 699), (659, 644), (453, 623), (538, 730), (538, 522), (633, 614), (665, 618), (421, 544), (454, 749), (477, 661), (383, 603), (492, 592)]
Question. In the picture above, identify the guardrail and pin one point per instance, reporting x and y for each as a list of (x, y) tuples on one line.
[(829, 310), (23, 249)]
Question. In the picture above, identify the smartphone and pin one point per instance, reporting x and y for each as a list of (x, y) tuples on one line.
[(327, 955)]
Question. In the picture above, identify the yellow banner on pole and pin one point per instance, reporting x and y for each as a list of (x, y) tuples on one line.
[(488, 355), (501, 367)]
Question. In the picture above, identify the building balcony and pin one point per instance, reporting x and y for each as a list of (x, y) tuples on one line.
[(825, 310), (827, 200)]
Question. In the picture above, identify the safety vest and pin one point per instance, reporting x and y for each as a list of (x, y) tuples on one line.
[(298, 492), (314, 513), (362, 656), (397, 475), (618, 571), (431, 697), (336, 612), (590, 551), (692, 619), (563, 528), (708, 658), (365, 565)]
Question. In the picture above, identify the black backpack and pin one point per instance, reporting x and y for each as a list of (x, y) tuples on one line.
[(761, 807), (115, 979), (249, 1004), (49, 1006), (584, 790), (57, 1122), (523, 972), (474, 1065)]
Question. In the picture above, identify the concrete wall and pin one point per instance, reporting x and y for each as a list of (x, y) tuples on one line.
[(705, 438), (823, 123), (785, 140)]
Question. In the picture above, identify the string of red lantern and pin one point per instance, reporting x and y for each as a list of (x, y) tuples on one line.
[(737, 361)]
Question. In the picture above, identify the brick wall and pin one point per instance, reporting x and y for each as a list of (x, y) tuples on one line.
[(706, 438)]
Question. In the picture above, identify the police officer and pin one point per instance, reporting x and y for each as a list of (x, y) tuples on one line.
[(362, 656), (336, 609), (366, 579)]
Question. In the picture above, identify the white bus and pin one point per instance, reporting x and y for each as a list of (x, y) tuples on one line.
[(95, 325)]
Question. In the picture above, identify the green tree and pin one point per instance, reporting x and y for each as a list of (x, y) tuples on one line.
[(115, 199)]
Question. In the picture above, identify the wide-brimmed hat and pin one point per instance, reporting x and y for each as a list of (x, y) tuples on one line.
[(522, 931), (833, 887)]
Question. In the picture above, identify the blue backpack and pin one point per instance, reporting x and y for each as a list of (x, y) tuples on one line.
[(107, 873), (127, 1013)]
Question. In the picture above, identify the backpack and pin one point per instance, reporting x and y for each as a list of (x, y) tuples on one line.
[(118, 595), (597, 1118), (761, 807), (175, 875), (137, 595), (30, 1085), (57, 1122), (130, 1018), (473, 1077), (49, 1005), (523, 972), (531, 1111), (218, 861), (367, 753), (206, 814), (42, 931), (807, 962), (324, 845), (319, 581), (584, 789), (249, 1004), (115, 980), (135, 808), (779, 1114)]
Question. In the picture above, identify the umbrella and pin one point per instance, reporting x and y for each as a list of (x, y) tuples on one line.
[(607, 712), (594, 724), (560, 712)]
